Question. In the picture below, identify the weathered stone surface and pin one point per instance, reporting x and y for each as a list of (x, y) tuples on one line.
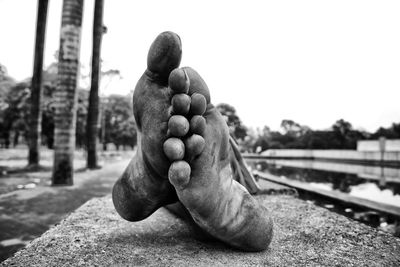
[(270, 188), (304, 235)]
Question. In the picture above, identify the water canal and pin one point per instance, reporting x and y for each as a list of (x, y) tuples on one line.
[(371, 184)]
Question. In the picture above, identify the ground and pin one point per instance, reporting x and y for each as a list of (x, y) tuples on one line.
[(29, 206), (304, 235)]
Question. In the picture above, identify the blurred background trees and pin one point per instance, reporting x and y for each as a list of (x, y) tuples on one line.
[(117, 125), (116, 122), (293, 135), (236, 127)]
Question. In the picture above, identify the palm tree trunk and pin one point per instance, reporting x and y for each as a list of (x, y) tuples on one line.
[(36, 88), (65, 94), (93, 110)]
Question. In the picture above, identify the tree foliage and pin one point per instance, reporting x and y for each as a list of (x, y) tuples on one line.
[(236, 127), (392, 132), (14, 113), (117, 124), (118, 121), (296, 136), (116, 116)]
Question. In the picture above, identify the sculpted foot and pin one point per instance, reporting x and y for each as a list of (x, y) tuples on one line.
[(144, 186), (198, 147), (183, 151)]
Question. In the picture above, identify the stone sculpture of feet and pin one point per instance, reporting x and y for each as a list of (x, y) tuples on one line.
[(183, 153)]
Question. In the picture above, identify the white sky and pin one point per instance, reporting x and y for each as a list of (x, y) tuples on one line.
[(310, 61)]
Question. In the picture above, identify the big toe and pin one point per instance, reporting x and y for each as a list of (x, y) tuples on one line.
[(164, 55)]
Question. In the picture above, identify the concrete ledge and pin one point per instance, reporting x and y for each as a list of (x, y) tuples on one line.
[(270, 188), (304, 235)]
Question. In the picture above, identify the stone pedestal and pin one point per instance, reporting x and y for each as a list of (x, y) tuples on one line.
[(303, 235)]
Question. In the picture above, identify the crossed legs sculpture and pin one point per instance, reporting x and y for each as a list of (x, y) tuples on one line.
[(185, 154)]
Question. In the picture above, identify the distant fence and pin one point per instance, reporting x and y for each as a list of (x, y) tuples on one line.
[(377, 152), (379, 145), (366, 157)]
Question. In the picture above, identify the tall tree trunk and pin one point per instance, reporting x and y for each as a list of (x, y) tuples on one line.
[(36, 87), (16, 138), (93, 110), (66, 92)]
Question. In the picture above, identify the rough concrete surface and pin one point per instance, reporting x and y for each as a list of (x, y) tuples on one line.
[(270, 188), (305, 235)]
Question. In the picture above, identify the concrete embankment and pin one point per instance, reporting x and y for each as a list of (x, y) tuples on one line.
[(304, 234), (351, 156), (377, 152)]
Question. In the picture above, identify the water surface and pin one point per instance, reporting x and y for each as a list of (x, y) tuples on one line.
[(375, 183)]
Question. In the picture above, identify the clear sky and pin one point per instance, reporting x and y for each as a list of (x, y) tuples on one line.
[(310, 61)]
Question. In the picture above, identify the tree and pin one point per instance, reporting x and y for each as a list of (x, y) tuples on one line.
[(15, 112), (47, 105), (65, 95), (237, 129), (36, 88), (48, 109), (343, 131), (6, 83), (262, 139), (342, 127), (119, 123), (81, 118), (392, 132), (290, 127), (93, 112)]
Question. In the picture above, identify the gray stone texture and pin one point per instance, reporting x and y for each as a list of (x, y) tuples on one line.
[(304, 235)]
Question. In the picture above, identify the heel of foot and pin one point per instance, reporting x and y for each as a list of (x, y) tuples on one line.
[(186, 127)]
